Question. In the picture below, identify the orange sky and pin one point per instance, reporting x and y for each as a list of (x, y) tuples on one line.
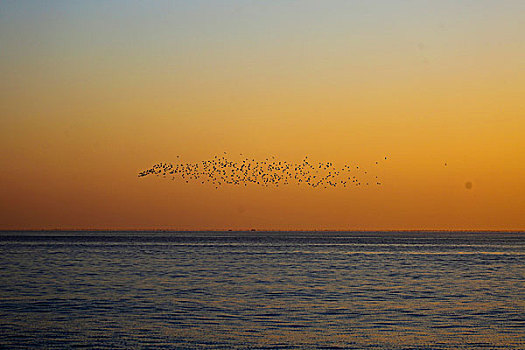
[(91, 94)]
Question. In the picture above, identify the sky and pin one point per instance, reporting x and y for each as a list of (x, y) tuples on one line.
[(93, 92)]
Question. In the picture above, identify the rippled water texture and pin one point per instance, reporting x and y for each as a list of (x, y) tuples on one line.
[(262, 290)]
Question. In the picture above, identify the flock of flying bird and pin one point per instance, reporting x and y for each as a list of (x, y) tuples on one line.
[(270, 172)]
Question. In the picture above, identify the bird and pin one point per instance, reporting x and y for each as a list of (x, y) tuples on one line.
[(220, 171)]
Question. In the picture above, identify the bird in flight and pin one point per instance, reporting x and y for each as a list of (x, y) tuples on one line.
[(220, 171)]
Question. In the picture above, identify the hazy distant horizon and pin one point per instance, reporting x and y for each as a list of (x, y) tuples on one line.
[(265, 230)]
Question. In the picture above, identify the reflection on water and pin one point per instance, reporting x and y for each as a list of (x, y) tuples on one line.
[(262, 290)]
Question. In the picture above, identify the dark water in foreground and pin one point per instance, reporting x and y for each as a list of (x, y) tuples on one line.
[(262, 290)]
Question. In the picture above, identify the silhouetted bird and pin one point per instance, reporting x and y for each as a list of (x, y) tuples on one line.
[(220, 170)]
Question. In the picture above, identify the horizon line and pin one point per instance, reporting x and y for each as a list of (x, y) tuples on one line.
[(262, 230)]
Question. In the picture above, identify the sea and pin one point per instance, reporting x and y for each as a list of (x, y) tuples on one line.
[(262, 290)]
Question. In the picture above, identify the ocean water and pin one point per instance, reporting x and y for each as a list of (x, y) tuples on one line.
[(262, 290)]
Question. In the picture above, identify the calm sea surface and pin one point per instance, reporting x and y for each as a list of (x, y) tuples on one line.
[(137, 290)]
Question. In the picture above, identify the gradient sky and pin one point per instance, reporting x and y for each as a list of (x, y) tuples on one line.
[(92, 92)]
